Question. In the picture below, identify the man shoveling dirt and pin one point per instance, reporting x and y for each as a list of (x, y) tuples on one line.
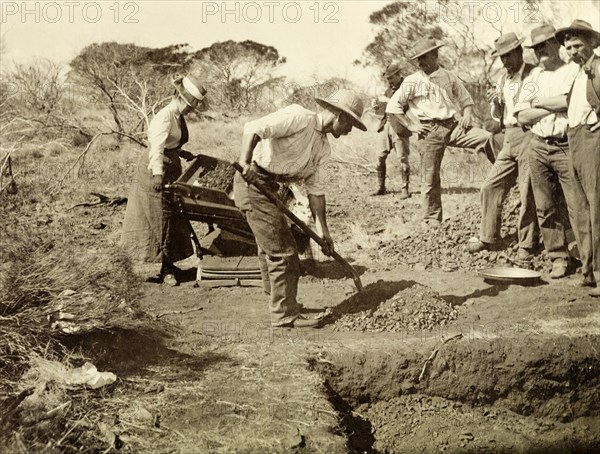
[(289, 146)]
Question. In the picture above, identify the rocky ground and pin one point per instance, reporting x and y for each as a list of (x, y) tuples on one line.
[(428, 358)]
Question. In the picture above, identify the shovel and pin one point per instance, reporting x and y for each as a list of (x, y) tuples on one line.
[(305, 228)]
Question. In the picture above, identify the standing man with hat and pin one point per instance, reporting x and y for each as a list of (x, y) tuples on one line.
[(426, 104), (390, 139), (543, 108), (290, 146), (153, 229), (583, 114), (512, 164)]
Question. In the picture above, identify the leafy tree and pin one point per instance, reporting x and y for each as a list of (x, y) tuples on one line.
[(469, 35), (132, 81), (238, 72)]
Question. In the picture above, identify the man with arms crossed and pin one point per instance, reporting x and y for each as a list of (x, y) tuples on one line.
[(543, 108)]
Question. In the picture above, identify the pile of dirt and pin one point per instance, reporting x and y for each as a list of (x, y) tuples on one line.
[(415, 308), (445, 246)]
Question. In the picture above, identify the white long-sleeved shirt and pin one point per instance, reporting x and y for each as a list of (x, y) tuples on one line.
[(545, 84), (437, 96), (293, 145), (164, 132), (580, 111), (509, 89)]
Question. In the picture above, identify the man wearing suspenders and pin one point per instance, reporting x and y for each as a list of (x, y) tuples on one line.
[(583, 114)]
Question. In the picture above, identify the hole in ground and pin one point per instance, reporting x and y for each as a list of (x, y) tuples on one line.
[(538, 395)]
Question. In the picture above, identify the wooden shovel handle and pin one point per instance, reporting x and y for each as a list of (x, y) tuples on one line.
[(302, 225)]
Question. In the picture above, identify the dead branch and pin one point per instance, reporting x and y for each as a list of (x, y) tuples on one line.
[(366, 168), (433, 355), (11, 184), (80, 157), (179, 312), (110, 201)]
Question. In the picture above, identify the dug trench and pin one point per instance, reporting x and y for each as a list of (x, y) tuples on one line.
[(476, 395), (431, 362), (410, 384)]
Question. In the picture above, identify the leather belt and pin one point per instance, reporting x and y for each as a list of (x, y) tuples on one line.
[(447, 123), (555, 141)]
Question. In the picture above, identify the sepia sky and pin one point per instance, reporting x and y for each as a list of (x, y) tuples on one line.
[(319, 39)]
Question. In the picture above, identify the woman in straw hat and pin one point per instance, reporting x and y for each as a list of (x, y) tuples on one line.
[(290, 146), (152, 229)]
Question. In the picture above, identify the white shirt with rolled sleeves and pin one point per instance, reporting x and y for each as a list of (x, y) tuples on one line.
[(164, 131), (437, 96), (545, 84), (509, 90), (293, 145), (580, 111)]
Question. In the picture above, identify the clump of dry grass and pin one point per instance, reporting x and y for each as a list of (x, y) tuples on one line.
[(43, 276), (37, 271)]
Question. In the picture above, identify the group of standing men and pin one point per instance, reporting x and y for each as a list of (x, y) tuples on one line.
[(550, 118), (549, 114)]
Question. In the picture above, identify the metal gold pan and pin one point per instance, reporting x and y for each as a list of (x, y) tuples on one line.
[(510, 275)]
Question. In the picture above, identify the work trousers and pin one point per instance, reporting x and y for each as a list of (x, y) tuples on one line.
[(552, 187), (277, 249), (431, 148), (388, 140), (511, 166), (585, 173)]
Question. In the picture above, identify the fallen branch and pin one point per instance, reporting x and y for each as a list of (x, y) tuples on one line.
[(179, 312), (433, 355), (110, 201), (366, 168), (80, 157)]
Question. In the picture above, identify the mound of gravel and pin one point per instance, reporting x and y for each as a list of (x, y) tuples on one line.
[(415, 308), (215, 174), (445, 247)]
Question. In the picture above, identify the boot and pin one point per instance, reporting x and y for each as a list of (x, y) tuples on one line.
[(405, 193), (381, 169)]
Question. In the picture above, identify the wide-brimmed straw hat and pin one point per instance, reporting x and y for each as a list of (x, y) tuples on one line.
[(506, 43), (578, 27), (541, 34), (424, 46), (190, 89), (346, 101)]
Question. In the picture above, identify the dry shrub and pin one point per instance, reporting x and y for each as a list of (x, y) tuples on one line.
[(35, 271), (43, 414)]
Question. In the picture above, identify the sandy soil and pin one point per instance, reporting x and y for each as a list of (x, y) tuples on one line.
[(516, 369), (519, 373)]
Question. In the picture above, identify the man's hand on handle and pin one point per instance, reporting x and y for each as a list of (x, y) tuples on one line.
[(249, 172), (492, 96)]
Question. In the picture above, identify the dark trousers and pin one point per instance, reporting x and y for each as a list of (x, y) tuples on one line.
[(552, 187), (511, 166), (277, 250), (431, 149), (585, 172)]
